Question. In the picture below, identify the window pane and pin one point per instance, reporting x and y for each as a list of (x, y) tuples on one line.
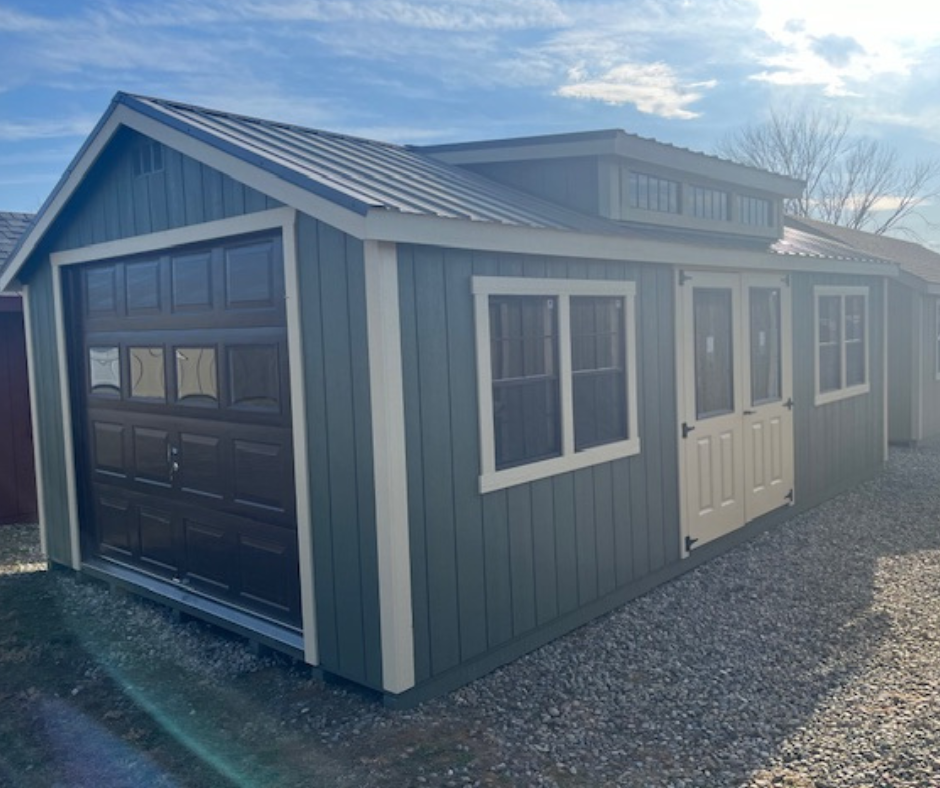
[(598, 368), (765, 344), (855, 355), (830, 343), (104, 369), (196, 374), (714, 352), (147, 376), (524, 360), (254, 379)]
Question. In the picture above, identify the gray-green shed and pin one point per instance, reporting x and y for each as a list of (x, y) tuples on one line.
[(408, 413)]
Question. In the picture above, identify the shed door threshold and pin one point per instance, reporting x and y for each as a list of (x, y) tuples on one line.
[(275, 635)]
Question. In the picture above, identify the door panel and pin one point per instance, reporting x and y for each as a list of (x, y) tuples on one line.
[(735, 373), (180, 371), (768, 417), (712, 450)]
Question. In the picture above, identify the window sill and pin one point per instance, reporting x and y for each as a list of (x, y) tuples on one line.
[(522, 474), (840, 394)]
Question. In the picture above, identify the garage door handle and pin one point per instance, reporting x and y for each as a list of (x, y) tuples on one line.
[(174, 469)]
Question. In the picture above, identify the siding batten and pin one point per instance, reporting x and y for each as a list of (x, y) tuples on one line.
[(391, 478)]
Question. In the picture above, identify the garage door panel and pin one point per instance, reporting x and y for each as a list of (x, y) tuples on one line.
[(159, 542), (264, 556), (261, 473), (202, 471), (186, 394), (151, 453), (109, 456), (113, 515)]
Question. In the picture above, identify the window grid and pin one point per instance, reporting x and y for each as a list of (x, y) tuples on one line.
[(841, 342), (651, 193), (754, 211), (709, 203), (582, 313)]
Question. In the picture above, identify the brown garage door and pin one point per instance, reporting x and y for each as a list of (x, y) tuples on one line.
[(185, 457)]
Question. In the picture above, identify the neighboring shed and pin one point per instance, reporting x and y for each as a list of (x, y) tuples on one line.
[(408, 422), (913, 328), (17, 479)]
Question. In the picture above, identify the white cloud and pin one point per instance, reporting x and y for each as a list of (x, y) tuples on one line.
[(842, 46), (653, 88)]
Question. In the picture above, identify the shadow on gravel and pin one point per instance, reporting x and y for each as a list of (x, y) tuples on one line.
[(706, 681)]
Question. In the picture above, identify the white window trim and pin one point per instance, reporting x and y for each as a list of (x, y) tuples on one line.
[(844, 392), (570, 460)]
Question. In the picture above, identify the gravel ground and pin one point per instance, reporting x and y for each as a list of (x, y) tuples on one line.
[(808, 658)]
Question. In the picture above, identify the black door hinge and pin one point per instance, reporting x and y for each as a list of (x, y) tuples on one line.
[(788, 404), (684, 277), (686, 429), (689, 541), (789, 496)]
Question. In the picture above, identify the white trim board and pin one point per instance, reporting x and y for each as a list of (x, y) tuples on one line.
[(298, 398), (34, 421), (390, 464)]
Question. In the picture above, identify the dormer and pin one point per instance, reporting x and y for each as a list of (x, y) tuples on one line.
[(628, 178)]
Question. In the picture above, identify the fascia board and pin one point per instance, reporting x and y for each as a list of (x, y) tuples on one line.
[(462, 234)]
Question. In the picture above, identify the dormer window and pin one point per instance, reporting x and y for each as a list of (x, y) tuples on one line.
[(652, 194), (755, 211), (707, 203)]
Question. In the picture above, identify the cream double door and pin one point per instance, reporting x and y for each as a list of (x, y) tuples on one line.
[(735, 401)]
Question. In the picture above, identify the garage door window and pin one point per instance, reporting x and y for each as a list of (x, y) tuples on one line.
[(253, 376), (104, 367), (196, 379), (148, 380)]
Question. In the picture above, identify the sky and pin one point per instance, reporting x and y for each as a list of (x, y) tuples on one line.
[(685, 72)]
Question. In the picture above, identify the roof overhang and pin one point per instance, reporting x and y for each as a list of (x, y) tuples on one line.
[(380, 224)]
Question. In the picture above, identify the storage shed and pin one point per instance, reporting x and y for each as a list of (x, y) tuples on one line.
[(408, 413), (17, 480), (913, 329)]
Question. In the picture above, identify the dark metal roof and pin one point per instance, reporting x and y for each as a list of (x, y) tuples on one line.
[(911, 257), (12, 226), (362, 174)]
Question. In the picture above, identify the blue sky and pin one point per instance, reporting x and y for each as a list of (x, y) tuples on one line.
[(682, 71)]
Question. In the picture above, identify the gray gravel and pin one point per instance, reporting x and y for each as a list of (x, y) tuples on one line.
[(809, 658)]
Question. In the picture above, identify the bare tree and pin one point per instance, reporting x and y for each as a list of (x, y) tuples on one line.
[(852, 181)]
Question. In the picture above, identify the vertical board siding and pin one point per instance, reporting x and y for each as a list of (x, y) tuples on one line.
[(928, 398), (49, 416), (112, 203), (332, 290), (17, 480), (490, 569), (838, 444), (572, 182)]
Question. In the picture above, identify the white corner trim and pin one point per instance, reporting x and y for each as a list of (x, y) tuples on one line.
[(167, 239), (68, 434), (34, 421), (390, 469), (298, 398)]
